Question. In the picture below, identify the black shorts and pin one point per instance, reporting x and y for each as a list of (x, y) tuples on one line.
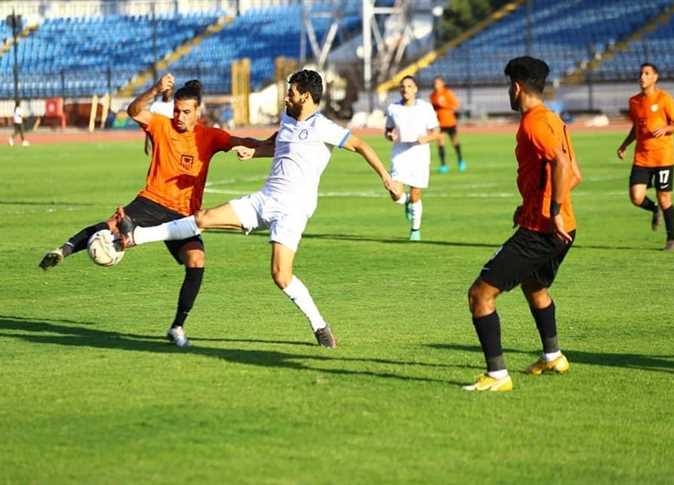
[(658, 177), (450, 130), (145, 212), (526, 256)]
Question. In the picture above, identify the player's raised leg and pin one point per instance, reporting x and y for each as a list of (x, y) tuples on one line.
[(221, 217), (78, 242), (282, 273), (482, 304)]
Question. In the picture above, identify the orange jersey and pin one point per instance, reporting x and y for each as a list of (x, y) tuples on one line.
[(540, 134), (445, 103), (648, 113), (180, 161)]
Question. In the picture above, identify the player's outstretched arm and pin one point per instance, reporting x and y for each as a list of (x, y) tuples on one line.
[(138, 109), (631, 136), (355, 144), (247, 148)]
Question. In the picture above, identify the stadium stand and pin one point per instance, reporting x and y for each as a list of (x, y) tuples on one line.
[(655, 47), (262, 35), (564, 33), (81, 56)]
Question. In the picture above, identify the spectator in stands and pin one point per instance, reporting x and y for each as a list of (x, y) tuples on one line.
[(411, 125), (652, 115), (18, 125), (174, 187), (445, 105)]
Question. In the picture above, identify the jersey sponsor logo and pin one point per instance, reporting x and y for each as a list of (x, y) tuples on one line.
[(654, 107), (304, 134), (186, 161)]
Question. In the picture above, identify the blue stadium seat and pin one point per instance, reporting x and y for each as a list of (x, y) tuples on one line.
[(565, 34)]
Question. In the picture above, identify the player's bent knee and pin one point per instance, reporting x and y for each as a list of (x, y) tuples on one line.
[(475, 297), (482, 298), (281, 280), (636, 200)]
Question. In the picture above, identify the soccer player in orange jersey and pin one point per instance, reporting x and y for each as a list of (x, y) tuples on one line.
[(547, 171), (445, 105), (652, 114), (181, 154)]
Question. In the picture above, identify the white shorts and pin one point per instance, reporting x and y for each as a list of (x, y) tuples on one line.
[(260, 211), (412, 166)]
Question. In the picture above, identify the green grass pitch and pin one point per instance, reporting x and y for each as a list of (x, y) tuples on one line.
[(91, 393)]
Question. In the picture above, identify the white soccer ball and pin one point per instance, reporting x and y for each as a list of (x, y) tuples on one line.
[(104, 249)]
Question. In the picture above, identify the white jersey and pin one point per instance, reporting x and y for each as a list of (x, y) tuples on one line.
[(411, 160), (302, 152), (164, 108), (18, 115)]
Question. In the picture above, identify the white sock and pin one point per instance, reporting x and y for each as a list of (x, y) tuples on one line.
[(498, 374), (403, 199), (300, 296), (552, 356), (169, 231), (416, 209)]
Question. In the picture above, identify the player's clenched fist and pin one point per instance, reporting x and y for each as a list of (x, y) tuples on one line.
[(166, 83)]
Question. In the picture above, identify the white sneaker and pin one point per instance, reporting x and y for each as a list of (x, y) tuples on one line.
[(11, 142), (25, 143), (178, 337)]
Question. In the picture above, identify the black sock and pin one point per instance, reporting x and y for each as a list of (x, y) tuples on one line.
[(457, 149), (547, 327), (488, 330), (668, 216), (79, 241), (648, 204), (188, 293), (441, 153)]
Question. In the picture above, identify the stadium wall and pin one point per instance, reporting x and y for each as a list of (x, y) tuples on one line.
[(483, 102)]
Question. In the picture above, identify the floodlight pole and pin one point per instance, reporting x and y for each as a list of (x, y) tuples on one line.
[(15, 35), (154, 45), (368, 15)]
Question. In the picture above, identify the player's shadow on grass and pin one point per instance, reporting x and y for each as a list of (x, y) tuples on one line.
[(466, 244), (80, 334), (655, 363), (62, 204), (389, 240)]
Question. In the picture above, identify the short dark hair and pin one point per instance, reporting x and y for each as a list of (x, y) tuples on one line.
[(651, 65), (308, 81), (529, 71), (190, 90), (411, 78)]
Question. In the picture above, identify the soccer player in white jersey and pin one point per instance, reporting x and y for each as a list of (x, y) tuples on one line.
[(301, 150), (411, 124)]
